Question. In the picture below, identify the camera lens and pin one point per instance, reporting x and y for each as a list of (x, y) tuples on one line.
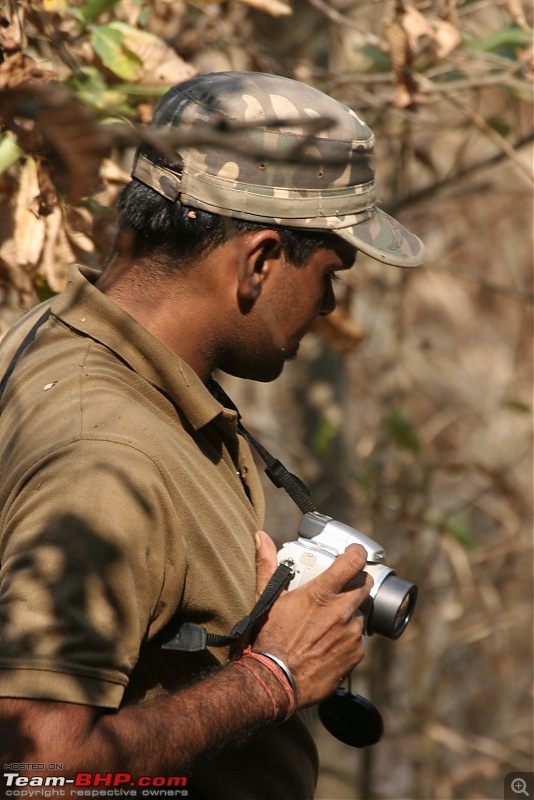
[(402, 616), (393, 606)]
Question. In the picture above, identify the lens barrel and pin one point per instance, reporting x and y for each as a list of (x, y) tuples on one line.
[(392, 607)]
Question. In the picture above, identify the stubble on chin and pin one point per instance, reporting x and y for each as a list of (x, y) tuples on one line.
[(291, 356)]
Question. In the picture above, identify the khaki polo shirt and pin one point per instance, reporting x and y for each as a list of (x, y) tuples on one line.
[(127, 499)]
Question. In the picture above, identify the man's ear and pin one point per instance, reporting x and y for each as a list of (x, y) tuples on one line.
[(260, 252)]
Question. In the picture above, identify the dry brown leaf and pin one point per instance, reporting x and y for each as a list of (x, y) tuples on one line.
[(517, 12), (50, 122), (145, 112), (50, 266), (401, 42), (446, 37), (273, 7), (54, 5), (161, 64), (29, 235), (63, 258), (415, 25), (398, 43), (19, 68), (18, 279), (165, 18), (11, 28), (79, 232), (404, 97)]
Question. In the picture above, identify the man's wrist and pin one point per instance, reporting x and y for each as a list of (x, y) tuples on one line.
[(288, 681), (282, 691)]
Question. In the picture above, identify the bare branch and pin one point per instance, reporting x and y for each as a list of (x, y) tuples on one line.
[(452, 180), (50, 122), (340, 19), (495, 137), (220, 134), (429, 87)]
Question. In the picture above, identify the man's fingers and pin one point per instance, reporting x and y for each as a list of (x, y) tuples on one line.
[(343, 570), (266, 561)]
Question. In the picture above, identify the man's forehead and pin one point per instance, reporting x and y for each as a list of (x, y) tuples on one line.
[(345, 251)]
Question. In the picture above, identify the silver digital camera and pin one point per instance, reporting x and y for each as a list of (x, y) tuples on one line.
[(321, 540)]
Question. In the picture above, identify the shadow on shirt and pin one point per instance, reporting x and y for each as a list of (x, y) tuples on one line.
[(62, 609)]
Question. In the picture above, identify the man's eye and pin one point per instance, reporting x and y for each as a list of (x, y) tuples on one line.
[(333, 276)]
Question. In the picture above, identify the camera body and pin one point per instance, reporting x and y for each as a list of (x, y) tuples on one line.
[(321, 540)]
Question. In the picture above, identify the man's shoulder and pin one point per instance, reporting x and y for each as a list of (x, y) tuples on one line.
[(73, 389)]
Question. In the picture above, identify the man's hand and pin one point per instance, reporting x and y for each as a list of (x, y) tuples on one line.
[(266, 561), (316, 629)]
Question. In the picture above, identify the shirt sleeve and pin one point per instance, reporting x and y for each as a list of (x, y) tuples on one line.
[(84, 559)]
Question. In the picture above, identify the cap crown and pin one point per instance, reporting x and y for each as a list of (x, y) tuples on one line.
[(339, 181)]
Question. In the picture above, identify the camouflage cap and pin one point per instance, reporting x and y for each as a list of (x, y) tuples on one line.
[(335, 191)]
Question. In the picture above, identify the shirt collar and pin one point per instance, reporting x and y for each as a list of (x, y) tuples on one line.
[(85, 309)]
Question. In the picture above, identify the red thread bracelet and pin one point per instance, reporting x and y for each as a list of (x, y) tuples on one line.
[(260, 680), (280, 673)]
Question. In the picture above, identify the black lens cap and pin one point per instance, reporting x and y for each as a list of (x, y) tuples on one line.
[(351, 718)]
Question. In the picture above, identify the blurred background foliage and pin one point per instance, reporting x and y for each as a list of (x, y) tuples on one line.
[(409, 410)]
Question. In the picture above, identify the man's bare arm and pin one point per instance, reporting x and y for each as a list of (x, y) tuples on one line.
[(315, 629)]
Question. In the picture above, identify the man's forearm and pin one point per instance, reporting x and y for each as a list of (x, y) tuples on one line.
[(159, 737), (175, 731)]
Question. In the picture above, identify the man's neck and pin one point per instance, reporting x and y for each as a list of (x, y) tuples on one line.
[(169, 309)]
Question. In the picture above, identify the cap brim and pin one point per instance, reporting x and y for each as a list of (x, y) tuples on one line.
[(383, 238)]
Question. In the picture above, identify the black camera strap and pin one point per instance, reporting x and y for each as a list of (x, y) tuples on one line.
[(274, 469), (192, 638)]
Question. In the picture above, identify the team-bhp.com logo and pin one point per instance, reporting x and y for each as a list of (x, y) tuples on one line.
[(89, 784)]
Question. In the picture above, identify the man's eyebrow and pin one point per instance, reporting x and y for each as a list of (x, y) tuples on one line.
[(348, 261)]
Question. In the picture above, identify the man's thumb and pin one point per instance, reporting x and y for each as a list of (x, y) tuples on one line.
[(266, 562)]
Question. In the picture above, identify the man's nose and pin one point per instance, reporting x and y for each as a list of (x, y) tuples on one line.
[(329, 301)]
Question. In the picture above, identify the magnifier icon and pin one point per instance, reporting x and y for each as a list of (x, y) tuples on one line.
[(519, 786)]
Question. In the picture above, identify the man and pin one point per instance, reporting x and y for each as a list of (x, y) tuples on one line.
[(129, 500)]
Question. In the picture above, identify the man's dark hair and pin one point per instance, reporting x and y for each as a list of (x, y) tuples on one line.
[(179, 235)]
